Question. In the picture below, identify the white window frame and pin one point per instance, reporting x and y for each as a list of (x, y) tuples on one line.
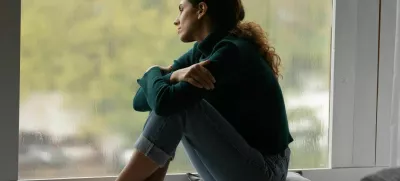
[(388, 117), (363, 52)]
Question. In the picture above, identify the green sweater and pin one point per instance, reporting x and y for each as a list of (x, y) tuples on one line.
[(246, 92)]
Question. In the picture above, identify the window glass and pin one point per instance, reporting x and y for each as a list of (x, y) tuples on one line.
[(80, 60)]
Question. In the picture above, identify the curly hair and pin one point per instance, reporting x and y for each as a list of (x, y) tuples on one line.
[(229, 14), (255, 33)]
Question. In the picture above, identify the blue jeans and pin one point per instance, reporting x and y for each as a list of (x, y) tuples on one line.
[(214, 147)]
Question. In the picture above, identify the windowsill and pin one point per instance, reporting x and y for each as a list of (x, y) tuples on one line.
[(343, 174)]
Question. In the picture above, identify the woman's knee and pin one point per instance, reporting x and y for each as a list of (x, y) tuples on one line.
[(181, 115)]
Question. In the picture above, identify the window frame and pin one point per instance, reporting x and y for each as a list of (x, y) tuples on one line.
[(388, 105), (353, 109), (363, 34)]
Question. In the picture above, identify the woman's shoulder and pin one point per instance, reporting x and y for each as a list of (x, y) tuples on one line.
[(246, 48), (242, 44)]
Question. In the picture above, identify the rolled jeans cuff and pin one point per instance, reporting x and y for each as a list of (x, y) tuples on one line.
[(148, 148)]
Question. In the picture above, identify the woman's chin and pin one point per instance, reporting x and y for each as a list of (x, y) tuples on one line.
[(185, 39)]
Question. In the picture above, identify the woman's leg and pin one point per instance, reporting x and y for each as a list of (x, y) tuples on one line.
[(154, 149), (222, 154), (139, 168), (196, 161), (225, 154), (159, 174)]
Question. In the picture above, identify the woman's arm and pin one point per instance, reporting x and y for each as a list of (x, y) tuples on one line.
[(166, 99), (140, 101)]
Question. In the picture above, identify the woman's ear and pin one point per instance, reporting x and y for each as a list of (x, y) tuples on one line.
[(202, 9)]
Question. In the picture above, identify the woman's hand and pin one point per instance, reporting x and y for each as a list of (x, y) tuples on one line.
[(164, 69), (196, 75)]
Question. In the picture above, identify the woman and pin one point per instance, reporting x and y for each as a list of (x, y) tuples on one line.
[(221, 99)]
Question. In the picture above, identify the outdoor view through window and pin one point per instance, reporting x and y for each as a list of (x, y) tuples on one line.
[(80, 60)]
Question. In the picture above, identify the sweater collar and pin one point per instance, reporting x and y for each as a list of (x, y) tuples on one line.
[(207, 45)]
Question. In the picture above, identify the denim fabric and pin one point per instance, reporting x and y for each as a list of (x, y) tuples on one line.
[(214, 147)]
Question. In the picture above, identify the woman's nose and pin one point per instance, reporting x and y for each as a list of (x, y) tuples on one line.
[(176, 22)]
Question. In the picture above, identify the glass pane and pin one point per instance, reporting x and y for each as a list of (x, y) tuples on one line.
[(80, 60)]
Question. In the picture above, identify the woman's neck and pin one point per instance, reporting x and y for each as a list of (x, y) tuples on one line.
[(204, 31)]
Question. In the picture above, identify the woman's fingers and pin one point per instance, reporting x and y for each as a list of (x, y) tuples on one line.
[(203, 63), (196, 77), (199, 76), (202, 77), (194, 82), (207, 74)]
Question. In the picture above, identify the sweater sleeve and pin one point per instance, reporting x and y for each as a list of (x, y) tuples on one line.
[(140, 101), (166, 99)]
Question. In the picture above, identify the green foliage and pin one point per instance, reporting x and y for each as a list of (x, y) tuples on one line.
[(92, 51)]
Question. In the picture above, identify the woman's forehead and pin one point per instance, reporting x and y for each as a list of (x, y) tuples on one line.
[(184, 2)]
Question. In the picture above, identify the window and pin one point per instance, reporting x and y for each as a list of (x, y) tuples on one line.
[(79, 61)]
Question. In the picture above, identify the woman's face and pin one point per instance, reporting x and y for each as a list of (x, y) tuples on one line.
[(189, 21)]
